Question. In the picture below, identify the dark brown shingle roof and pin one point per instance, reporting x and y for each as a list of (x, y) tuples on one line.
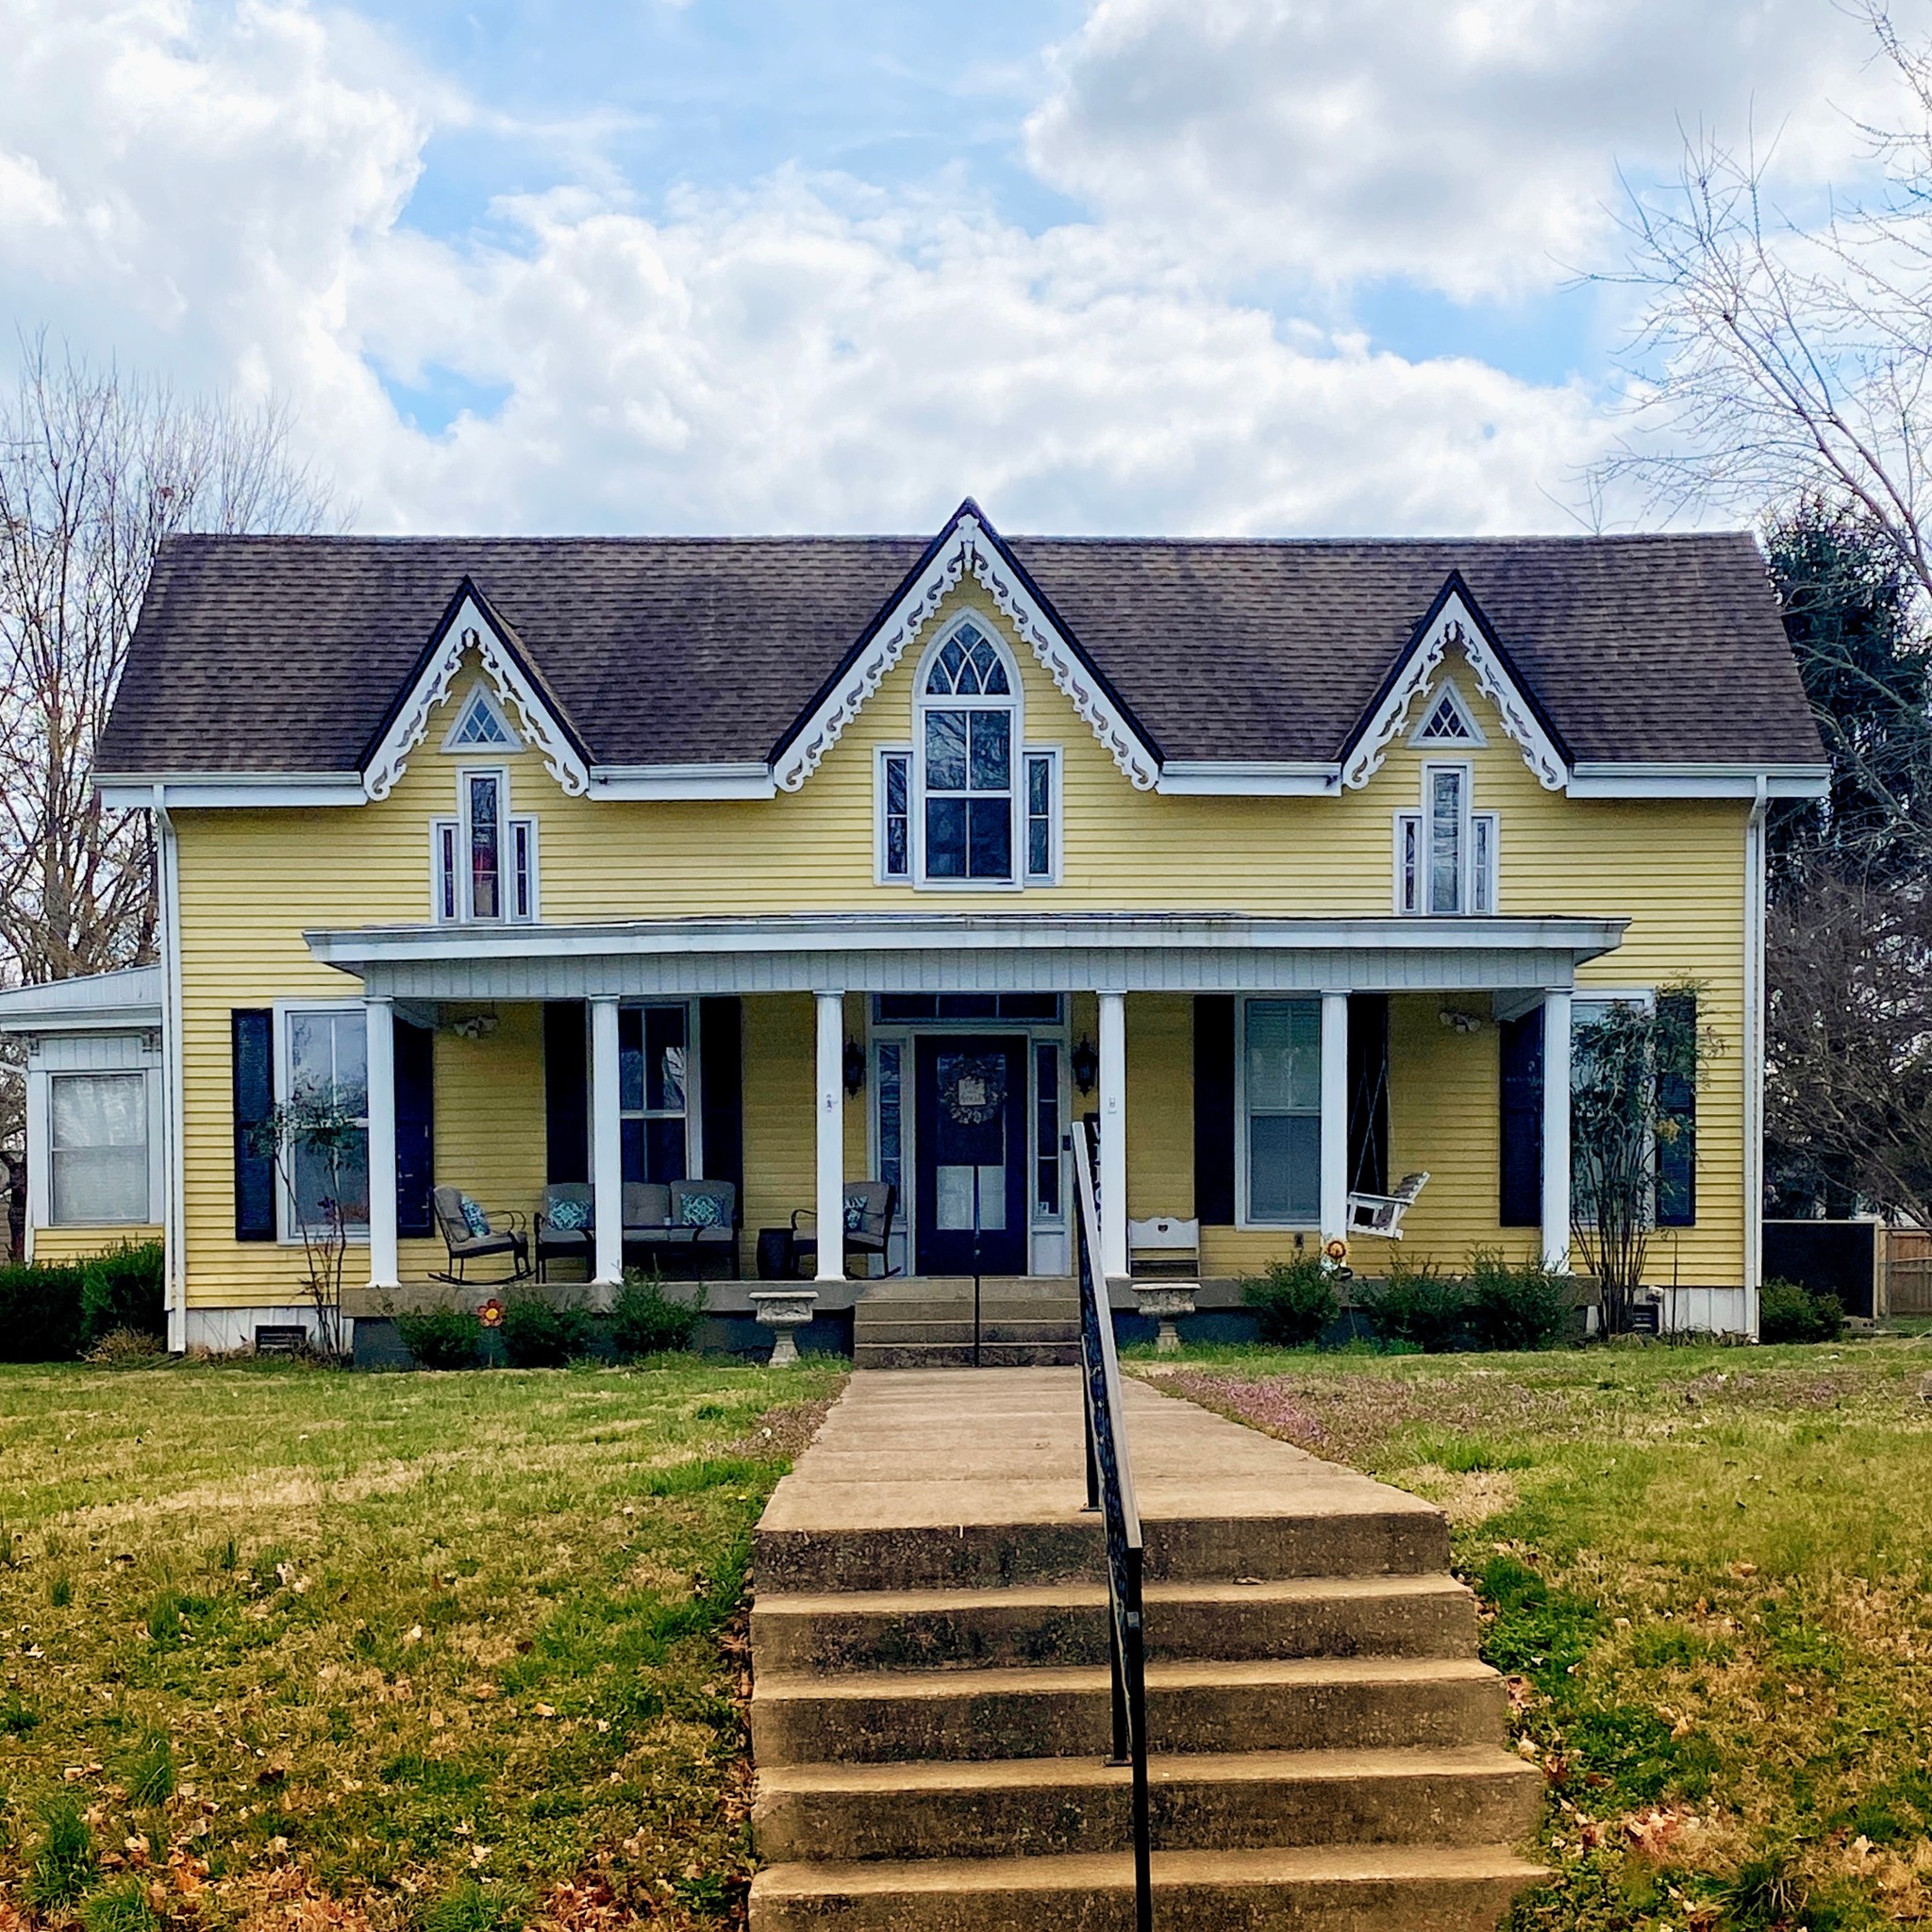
[(284, 654)]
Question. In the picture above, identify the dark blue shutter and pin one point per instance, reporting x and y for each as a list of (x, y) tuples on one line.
[(1368, 1092), (1521, 1055), (415, 1051), (1214, 1109), (1676, 1152), (252, 1040), (566, 1092), (721, 1104)]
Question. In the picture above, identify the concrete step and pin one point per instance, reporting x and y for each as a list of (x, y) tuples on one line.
[(958, 1355), (954, 1327), (1291, 1703), (1054, 1806), (1343, 1888), (1370, 1539), (956, 1288), (1067, 1624)]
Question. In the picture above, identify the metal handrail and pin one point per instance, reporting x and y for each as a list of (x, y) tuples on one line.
[(1111, 1490)]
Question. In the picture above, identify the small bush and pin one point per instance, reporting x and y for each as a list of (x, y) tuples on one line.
[(1419, 1304), (39, 1313), (1294, 1302), (63, 1864), (644, 1320), (1514, 1303), (124, 1290), (1788, 1312), (122, 1907), (537, 1334), (442, 1338), (149, 1770)]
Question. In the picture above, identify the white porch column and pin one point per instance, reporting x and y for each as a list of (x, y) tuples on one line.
[(1334, 1117), (379, 1031), (831, 1135), (1114, 1259), (1556, 1130), (607, 1144)]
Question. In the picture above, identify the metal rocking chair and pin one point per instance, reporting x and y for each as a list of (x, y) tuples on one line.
[(504, 1233)]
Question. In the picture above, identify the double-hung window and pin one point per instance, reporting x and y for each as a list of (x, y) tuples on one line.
[(1281, 1101), (325, 1081), (485, 858), (653, 1092), (1445, 854), (98, 1146)]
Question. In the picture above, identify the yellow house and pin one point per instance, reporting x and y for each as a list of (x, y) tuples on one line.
[(571, 866)]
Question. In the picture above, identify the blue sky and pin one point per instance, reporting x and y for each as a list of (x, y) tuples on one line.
[(1241, 266)]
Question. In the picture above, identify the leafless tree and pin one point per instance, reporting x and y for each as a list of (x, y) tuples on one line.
[(1849, 1042), (96, 467), (1775, 360)]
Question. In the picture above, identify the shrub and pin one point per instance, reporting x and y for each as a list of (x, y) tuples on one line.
[(537, 1334), (1514, 1305), (442, 1338), (644, 1320), (63, 1864), (1789, 1311), (1294, 1302), (123, 1288), (39, 1313), (1417, 1302)]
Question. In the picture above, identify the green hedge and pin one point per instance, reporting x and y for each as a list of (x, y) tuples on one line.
[(52, 1313)]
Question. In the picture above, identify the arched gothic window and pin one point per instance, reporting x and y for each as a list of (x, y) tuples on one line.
[(966, 751)]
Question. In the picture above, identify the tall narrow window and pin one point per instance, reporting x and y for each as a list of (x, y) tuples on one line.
[(523, 846), (967, 756), (1446, 855), (1041, 773), (1482, 864), (892, 1121), (484, 863), (483, 817), (97, 1148), (1408, 862), (1046, 1105), (652, 1091), (448, 877), (1282, 1091), (895, 818), (328, 1069), (1446, 805)]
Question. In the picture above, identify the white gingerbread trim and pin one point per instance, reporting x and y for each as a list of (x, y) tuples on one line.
[(1455, 627), (469, 629), (970, 549)]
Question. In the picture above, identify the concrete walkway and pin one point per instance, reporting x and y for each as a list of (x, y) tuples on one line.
[(930, 1689)]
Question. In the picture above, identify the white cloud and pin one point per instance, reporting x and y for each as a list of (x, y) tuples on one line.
[(222, 190), (1472, 145)]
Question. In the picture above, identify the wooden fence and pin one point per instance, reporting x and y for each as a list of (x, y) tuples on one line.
[(1905, 1272)]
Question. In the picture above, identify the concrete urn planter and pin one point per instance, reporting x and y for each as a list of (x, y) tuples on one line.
[(1161, 1301), (782, 1310)]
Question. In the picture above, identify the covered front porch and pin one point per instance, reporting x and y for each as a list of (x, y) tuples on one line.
[(1250, 1075)]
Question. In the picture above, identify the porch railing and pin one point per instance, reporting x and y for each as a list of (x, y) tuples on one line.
[(1111, 1490)]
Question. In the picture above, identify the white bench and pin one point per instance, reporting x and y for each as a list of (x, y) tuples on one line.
[(1165, 1245)]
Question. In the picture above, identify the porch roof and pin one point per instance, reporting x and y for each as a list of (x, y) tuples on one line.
[(966, 952)]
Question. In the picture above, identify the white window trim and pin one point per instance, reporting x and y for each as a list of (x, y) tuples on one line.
[(288, 1234), (694, 1091), (526, 824), (41, 1170), (1054, 816), (1493, 819), (480, 691), (509, 822), (1243, 1150), (1417, 816), (1015, 706), (1432, 703), (880, 875)]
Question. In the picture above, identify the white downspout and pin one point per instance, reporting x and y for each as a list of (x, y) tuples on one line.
[(175, 1209), (1754, 909)]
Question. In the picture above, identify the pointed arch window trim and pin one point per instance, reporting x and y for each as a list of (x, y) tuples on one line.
[(968, 774), (1448, 720)]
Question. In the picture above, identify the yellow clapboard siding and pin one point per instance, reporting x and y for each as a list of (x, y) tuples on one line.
[(252, 881), (54, 1246)]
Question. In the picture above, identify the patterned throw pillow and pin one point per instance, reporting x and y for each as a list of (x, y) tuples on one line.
[(572, 1215), (701, 1210), (855, 1213), (473, 1217)]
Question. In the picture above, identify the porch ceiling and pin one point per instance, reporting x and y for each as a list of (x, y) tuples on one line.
[(966, 952)]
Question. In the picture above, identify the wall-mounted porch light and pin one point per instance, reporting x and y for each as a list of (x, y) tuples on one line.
[(1086, 1065), (855, 1066)]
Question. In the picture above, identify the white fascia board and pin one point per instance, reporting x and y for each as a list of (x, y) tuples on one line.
[(1691, 780), (743, 779), (969, 549), (470, 629), (119, 1002), (1248, 778), (959, 932), (228, 791)]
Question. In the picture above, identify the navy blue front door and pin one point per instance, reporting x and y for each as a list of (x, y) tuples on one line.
[(958, 1076)]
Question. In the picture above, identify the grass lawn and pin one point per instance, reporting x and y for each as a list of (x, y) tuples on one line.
[(291, 1648), (1708, 1574)]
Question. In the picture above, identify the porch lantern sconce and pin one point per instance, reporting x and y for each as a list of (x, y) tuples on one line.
[(1086, 1065), (855, 1066)]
